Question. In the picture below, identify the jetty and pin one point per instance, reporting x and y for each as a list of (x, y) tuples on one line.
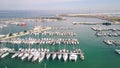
[(113, 19), (92, 23), (34, 30)]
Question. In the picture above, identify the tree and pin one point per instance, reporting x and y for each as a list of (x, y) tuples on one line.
[(10, 34), (25, 31)]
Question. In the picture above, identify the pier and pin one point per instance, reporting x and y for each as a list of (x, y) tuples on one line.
[(92, 23), (86, 23), (34, 30)]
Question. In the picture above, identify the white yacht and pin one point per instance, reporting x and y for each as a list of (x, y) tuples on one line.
[(16, 54), (65, 56), (82, 56), (21, 54), (25, 56), (41, 56), (4, 55), (30, 55), (53, 55), (48, 55), (35, 56), (109, 42), (59, 55), (73, 56)]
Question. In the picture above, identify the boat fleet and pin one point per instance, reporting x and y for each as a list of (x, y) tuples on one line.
[(41, 54), (59, 33), (51, 41), (105, 29), (110, 34), (34, 54), (111, 42), (5, 51)]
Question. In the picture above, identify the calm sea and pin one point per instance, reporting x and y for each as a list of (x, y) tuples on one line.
[(97, 54)]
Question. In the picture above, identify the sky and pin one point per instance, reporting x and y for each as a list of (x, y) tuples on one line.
[(59, 4)]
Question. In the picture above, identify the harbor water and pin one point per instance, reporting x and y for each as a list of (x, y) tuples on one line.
[(97, 53)]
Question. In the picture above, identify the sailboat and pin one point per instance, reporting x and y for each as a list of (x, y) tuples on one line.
[(53, 55), (41, 56), (47, 54), (59, 54), (65, 55), (35, 56), (72, 56)]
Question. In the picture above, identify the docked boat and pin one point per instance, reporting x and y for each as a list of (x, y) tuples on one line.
[(109, 42), (59, 55), (25, 56), (65, 57), (35, 56), (16, 54), (48, 55), (5, 54), (30, 56), (21, 54), (53, 56), (41, 56), (118, 51), (82, 56), (73, 56)]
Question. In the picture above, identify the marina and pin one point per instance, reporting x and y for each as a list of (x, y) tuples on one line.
[(60, 34), (51, 41), (58, 44), (39, 54)]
